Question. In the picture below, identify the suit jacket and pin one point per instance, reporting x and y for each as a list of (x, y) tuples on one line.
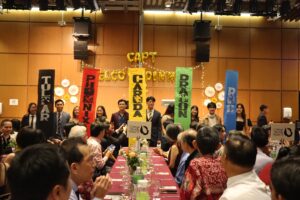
[(25, 121), (65, 118), (115, 119), (262, 120), (156, 128)]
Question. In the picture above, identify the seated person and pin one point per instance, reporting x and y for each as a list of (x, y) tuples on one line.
[(39, 172), (205, 178), (174, 154), (285, 179), (81, 165), (260, 138), (26, 137)]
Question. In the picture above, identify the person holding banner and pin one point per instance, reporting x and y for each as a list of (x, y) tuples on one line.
[(154, 117), (212, 118)]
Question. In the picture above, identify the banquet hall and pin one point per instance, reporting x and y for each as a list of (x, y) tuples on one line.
[(149, 99)]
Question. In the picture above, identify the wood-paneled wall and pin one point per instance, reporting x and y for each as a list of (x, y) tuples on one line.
[(266, 54)]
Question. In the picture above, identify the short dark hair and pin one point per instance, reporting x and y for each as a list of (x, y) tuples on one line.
[(167, 122), (211, 105), (285, 177), (71, 150), (97, 127), (5, 120), (262, 107), (259, 136), (170, 109), (59, 100), (16, 124), (150, 98), (240, 150), (35, 171), (207, 140), (29, 106), (189, 137), (29, 136), (172, 131), (122, 100)]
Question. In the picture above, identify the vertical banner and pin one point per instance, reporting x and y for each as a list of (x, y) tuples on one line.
[(46, 101), (88, 97), (137, 97), (183, 96), (231, 84)]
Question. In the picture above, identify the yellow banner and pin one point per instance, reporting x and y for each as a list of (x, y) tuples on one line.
[(137, 94), (137, 97)]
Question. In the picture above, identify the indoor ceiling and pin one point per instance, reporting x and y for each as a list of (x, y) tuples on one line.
[(286, 9)]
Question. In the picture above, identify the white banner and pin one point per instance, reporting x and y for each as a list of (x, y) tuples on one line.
[(139, 129), (282, 131)]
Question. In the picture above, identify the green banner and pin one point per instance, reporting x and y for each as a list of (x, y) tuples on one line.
[(183, 96)]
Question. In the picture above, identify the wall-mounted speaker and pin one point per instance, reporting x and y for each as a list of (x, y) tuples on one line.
[(202, 51), (201, 30), (82, 27), (81, 50)]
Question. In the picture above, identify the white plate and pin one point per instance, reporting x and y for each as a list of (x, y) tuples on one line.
[(65, 83), (73, 90), (59, 91), (209, 91)]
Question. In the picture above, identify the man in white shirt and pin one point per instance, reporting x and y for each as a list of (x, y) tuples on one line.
[(261, 139), (81, 165), (238, 160)]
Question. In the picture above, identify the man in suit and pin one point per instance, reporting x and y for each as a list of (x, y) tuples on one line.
[(60, 118), (30, 119), (82, 167), (262, 117), (119, 119), (154, 117)]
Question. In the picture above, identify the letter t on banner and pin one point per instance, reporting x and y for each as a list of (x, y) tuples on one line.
[(183, 96), (231, 85), (88, 97)]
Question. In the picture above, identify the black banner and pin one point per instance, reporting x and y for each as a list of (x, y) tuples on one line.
[(46, 101)]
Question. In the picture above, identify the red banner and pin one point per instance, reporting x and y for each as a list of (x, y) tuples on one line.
[(88, 97)]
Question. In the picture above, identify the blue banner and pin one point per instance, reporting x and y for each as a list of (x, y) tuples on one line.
[(231, 84)]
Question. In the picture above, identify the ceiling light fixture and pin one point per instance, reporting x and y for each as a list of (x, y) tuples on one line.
[(168, 4)]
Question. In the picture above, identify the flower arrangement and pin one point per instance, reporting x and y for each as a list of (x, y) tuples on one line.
[(133, 160)]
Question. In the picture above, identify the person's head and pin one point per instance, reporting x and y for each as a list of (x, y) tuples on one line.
[(240, 110), (187, 139), (16, 124), (59, 105), (293, 151), (239, 154), (32, 108), (29, 136), (79, 158), (259, 136), (170, 110), (39, 172), (211, 108), (172, 131), (285, 179), (167, 122), (78, 131), (6, 126), (264, 109), (221, 131), (195, 111), (122, 105), (100, 112), (150, 102), (98, 129), (67, 127), (75, 113), (207, 140)]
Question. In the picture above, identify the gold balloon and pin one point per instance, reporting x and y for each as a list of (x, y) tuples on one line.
[(129, 55), (121, 75), (154, 75), (214, 99), (101, 75), (114, 75), (148, 75), (106, 75), (153, 54), (145, 55), (161, 76)]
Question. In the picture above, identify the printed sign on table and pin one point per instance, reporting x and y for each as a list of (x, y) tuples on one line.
[(282, 131), (139, 129)]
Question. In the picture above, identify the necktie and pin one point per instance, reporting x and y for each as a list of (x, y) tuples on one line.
[(77, 194), (150, 116), (59, 124), (31, 123)]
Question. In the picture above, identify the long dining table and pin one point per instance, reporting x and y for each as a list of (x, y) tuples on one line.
[(169, 189)]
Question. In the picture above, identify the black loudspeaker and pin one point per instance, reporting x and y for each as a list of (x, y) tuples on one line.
[(82, 27), (201, 30), (202, 51), (81, 50)]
